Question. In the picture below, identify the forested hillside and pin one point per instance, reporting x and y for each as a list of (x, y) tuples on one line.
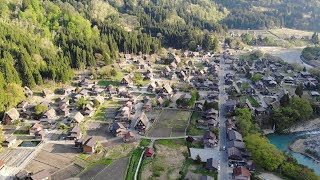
[(259, 14), (42, 40)]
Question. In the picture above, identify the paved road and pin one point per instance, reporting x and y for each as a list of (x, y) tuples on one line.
[(223, 173)]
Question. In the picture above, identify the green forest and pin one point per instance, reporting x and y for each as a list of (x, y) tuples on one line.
[(260, 14)]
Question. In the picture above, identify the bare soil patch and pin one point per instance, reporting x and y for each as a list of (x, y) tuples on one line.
[(117, 151), (98, 130), (55, 157), (36, 166), (166, 164)]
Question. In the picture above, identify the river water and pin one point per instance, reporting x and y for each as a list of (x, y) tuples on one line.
[(283, 141)]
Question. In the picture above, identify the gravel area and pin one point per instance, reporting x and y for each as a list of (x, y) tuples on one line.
[(307, 126)]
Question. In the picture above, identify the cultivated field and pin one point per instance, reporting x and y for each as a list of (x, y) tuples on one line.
[(107, 111), (98, 130), (116, 170), (60, 156), (168, 161), (287, 33), (263, 33), (68, 172), (275, 33), (170, 123), (15, 157), (192, 128), (118, 151), (154, 114)]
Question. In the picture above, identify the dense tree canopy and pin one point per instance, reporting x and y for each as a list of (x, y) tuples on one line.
[(311, 53), (263, 153), (261, 14), (298, 110)]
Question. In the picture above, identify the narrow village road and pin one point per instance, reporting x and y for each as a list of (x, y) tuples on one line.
[(224, 171)]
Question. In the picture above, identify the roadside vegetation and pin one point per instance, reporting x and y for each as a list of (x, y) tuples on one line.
[(133, 163)]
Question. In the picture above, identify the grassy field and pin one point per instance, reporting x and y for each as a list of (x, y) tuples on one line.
[(133, 163), (171, 143), (192, 129), (120, 150), (108, 82), (192, 166), (170, 123), (144, 142), (287, 33), (167, 162), (101, 115)]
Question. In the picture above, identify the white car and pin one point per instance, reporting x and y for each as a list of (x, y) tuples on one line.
[(223, 148)]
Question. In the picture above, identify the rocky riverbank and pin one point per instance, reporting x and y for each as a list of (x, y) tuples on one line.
[(311, 125), (309, 147)]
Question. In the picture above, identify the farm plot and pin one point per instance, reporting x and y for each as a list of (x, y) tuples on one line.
[(154, 114), (115, 170), (107, 111), (288, 33), (170, 123), (168, 161), (60, 155), (68, 172), (98, 130), (192, 128), (15, 157)]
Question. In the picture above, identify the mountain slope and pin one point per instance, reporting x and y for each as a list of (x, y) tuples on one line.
[(259, 14)]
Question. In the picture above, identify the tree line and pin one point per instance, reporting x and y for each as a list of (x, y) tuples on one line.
[(291, 111), (265, 154), (262, 14)]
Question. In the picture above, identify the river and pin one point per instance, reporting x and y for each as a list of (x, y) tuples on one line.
[(283, 141), (290, 55)]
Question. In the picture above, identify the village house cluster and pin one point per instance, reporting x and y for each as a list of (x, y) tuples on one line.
[(190, 81)]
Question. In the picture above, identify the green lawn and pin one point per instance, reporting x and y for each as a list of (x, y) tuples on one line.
[(144, 142), (192, 129), (108, 82), (133, 163), (252, 100), (100, 114), (172, 143)]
